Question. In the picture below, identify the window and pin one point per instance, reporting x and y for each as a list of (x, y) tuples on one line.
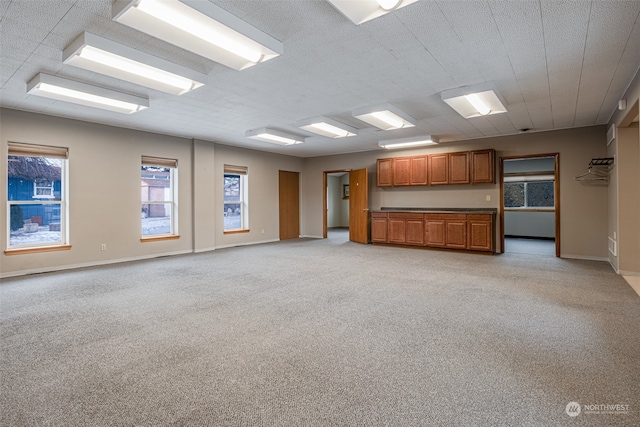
[(36, 196), (235, 198), (521, 192), (159, 197)]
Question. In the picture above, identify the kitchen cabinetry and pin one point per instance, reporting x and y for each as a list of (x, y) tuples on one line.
[(472, 231), (479, 232), (384, 172), (482, 167), (379, 227), (466, 167)]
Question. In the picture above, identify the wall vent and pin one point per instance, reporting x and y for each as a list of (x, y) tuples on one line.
[(613, 247), (611, 134)]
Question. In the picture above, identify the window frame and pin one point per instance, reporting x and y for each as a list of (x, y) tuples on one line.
[(242, 173), (46, 152), (172, 165), (42, 196)]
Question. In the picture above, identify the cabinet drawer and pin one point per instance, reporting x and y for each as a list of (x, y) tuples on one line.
[(406, 215), (446, 216), (378, 214), (479, 217)]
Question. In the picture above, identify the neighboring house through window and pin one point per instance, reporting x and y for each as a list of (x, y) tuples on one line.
[(235, 198), (36, 196), (159, 196)]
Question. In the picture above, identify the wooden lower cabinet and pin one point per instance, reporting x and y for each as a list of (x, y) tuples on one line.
[(472, 232), (480, 232), (406, 228), (446, 230), (379, 227)]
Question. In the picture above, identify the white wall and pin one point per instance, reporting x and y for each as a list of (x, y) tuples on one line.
[(530, 224)]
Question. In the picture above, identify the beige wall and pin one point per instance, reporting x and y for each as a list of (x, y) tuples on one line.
[(583, 208), (104, 191), (624, 188)]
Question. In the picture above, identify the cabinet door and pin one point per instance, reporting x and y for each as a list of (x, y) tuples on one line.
[(482, 167), (402, 171), (397, 230), (415, 231), (439, 169), (480, 233), (434, 232), (456, 234), (419, 170), (459, 168), (385, 173), (379, 228)]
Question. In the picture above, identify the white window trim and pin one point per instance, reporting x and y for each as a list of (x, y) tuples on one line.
[(244, 205), (173, 191)]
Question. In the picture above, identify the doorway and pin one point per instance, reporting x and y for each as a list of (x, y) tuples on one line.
[(530, 201), (346, 196)]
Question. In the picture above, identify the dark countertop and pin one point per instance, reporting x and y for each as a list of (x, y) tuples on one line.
[(440, 210)]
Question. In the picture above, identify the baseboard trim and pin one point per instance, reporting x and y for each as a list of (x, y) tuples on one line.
[(309, 236), (585, 257), (53, 269), (628, 273), (247, 244)]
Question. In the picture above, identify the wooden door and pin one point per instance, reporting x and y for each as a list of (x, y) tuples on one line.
[(289, 204), (385, 172), (459, 168), (359, 206), (439, 168), (401, 171)]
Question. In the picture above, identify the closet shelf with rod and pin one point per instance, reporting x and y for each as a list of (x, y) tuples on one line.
[(598, 171)]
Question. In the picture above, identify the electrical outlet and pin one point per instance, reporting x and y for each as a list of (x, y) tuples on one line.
[(488, 198), (263, 231), (103, 247)]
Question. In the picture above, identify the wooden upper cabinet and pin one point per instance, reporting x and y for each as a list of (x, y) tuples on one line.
[(439, 169), (459, 168), (401, 171), (419, 165), (482, 167), (385, 173)]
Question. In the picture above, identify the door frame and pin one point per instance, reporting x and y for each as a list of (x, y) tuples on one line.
[(325, 174), (556, 195)]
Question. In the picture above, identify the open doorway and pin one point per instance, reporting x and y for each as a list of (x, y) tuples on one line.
[(530, 214), (336, 205)]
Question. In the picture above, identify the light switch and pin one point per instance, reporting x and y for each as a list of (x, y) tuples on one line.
[(488, 198)]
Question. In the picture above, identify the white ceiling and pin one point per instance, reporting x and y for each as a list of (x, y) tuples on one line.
[(558, 64)]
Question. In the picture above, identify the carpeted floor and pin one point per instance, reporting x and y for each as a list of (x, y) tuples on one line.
[(322, 333)]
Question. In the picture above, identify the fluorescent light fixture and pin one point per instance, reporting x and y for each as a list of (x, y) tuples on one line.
[(474, 101), (414, 141), (385, 117), (327, 127), (104, 56), (200, 27), (273, 136), (61, 89), (365, 10)]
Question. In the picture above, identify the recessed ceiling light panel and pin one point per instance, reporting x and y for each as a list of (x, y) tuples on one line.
[(327, 127), (474, 101), (384, 116), (274, 136), (415, 141), (107, 57), (61, 89), (200, 27), (365, 10)]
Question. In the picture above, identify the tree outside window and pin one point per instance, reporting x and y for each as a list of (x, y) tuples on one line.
[(532, 194)]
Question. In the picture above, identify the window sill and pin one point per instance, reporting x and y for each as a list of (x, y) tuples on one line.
[(246, 230), (158, 238), (37, 250), (529, 209)]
